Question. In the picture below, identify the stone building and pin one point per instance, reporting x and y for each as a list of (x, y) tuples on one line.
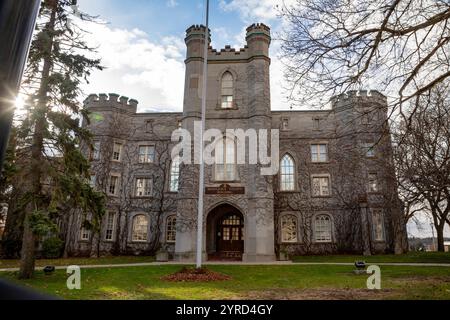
[(335, 191)]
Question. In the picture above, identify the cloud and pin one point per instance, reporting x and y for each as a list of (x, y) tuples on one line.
[(172, 3), (139, 67), (254, 10)]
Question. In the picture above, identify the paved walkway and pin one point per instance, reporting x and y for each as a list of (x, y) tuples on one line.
[(276, 263)]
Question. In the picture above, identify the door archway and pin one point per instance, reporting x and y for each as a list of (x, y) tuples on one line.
[(225, 233)]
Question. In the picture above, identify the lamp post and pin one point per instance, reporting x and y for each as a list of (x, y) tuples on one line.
[(17, 22), (201, 189)]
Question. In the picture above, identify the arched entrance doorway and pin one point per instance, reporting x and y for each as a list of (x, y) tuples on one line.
[(225, 233)]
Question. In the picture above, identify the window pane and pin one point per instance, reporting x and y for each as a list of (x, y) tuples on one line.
[(143, 187), (322, 229), (140, 227), (287, 174), (117, 151), (174, 175), (225, 157), (171, 229), (110, 223)]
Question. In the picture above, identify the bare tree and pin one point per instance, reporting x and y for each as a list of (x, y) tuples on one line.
[(396, 46), (423, 158)]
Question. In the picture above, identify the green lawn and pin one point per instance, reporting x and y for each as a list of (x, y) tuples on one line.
[(250, 282), (79, 261), (412, 257)]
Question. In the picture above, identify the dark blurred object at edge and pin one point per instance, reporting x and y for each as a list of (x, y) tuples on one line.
[(17, 22)]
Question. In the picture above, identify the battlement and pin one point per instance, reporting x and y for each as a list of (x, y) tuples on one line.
[(358, 96), (227, 52), (258, 27), (196, 28), (112, 100)]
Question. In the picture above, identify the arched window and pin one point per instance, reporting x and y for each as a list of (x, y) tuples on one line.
[(322, 228), (287, 182), (171, 231), (227, 90), (175, 174), (225, 159), (289, 228), (140, 228)]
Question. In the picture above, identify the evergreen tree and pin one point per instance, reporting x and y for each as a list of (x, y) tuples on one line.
[(57, 173)]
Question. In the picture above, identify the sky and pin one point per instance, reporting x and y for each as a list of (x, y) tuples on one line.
[(141, 44)]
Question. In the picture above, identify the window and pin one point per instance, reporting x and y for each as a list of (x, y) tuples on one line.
[(225, 158), (319, 153), (113, 187), (289, 228), (316, 124), (285, 124), (171, 231), (146, 154), (85, 234), (92, 181), (287, 182), (117, 151), (378, 225), (175, 174), (227, 90), (321, 186), (140, 228), (144, 187), (369, 150), (110, 226), (373, 182), (149, 126), (96, 151), (322, 228)]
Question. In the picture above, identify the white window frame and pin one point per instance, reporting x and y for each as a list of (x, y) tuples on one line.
[(115, 151), (286, 186), (316, 153), (85, 234), (116, 186), (148, 156), (328, 237), (227, 93), (140, 237), (171, 229), (146, 187), (321, 177), (110, 226), (174, 175), (283, 222)]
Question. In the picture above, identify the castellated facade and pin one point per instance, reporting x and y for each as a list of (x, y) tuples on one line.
[(335, 191)]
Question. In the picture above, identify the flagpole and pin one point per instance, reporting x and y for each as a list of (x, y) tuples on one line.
[(201, 189)]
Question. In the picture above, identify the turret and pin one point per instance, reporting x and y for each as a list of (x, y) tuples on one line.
[(258, 39), (195, 41), (112, 100)]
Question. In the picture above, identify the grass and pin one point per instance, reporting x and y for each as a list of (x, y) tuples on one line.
[(249, 282), (79, 261), (412, 257)]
